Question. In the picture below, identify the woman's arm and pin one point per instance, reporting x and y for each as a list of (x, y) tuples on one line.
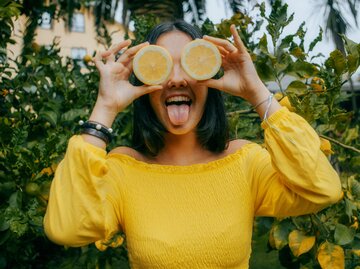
[(85, 201), (115, 91), (292, 176), (240, 77)]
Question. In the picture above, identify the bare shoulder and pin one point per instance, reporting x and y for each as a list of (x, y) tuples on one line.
[(235, 145), (128, 151)]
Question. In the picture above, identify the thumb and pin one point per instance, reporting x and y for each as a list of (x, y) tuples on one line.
[(145, 89), (213, 83)]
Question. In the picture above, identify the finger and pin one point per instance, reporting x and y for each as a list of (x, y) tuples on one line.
[(108, 56), (213, 83), (237, 40), (145, 89), (98, 60), (221, 42), (129, 54), (223, 51), (115, 49)]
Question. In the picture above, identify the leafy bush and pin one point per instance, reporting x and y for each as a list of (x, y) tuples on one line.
[(42, 101)]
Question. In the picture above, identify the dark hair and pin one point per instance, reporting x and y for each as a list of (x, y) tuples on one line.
[(212, 130)]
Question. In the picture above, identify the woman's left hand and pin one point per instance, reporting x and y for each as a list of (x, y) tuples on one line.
[(240, 76)]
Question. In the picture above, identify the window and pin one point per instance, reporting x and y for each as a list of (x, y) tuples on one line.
[(78, 23), (45, 21), (77, 54)]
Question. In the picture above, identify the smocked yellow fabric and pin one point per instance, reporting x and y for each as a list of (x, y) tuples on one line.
[(197, 216)]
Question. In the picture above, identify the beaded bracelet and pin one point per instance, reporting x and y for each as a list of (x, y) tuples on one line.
[(96, 129)]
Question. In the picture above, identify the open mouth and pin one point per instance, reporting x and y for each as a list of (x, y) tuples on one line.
[(178, 100), (178, 109)]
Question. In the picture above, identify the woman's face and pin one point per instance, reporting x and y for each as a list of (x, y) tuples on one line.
[(179, 106)]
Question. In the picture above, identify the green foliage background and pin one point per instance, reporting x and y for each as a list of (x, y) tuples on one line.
[(42, 97)]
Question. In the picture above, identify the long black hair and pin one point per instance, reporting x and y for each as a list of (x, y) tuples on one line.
[(148, 132)]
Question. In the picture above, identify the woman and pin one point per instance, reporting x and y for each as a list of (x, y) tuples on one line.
[(184, 196)]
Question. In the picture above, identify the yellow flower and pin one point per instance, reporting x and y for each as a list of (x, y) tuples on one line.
[(4, 92), (325, 146), (318, 84)]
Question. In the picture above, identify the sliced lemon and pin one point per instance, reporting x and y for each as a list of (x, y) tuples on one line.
[(152, 65), (201, 59)]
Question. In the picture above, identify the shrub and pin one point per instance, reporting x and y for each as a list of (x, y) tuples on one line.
[(42, 101)]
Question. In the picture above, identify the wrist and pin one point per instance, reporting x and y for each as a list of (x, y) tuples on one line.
[(103, 113), (257, 96)]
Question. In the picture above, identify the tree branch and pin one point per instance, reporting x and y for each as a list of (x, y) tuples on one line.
[(340, 144), (244, 111)]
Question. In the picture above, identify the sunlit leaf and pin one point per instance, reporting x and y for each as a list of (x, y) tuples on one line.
[(300, 243), (337, 61), (331, 256), (356, 252), (297, 87), (279, 234)]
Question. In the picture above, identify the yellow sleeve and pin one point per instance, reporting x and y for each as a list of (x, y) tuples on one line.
[(82, 204), (291, 176)]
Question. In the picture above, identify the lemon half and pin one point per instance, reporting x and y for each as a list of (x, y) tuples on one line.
[(152, 65), (201, 59)]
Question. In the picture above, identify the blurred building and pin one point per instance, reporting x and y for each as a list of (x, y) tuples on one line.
[(75, 43)]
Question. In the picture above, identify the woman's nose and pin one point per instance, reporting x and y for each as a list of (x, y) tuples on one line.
[(178, 77)]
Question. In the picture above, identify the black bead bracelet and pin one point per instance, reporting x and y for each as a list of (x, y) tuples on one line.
[(96, 129)]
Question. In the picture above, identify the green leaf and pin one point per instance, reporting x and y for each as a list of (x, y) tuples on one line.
[(72, 114), (263, 44), (297, 87), (350, 208), (4, 225), (279, 234), (351, 134), (354, 186), (286, 41), (303, 69), (49, 116), (298, 53), (262, 9), (338, 62), (45, 61), (351, 47), (316, 40), (353, 62), (265, 68), (15, 199), (343, 235)]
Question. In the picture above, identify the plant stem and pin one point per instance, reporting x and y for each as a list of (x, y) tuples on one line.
[(340, 144), (243, 111)]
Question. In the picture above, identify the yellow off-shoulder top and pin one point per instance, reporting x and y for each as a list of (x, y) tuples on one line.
[(196, 216)]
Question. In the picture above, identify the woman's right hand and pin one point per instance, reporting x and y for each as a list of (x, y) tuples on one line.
[(115, 90)]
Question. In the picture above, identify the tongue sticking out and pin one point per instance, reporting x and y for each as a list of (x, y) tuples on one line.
[(178, 114)]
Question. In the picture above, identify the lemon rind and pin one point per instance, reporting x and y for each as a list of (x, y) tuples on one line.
[(206, 44), (140, 53)]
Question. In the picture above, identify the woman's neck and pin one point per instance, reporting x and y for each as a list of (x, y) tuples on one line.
[(183, 150)]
